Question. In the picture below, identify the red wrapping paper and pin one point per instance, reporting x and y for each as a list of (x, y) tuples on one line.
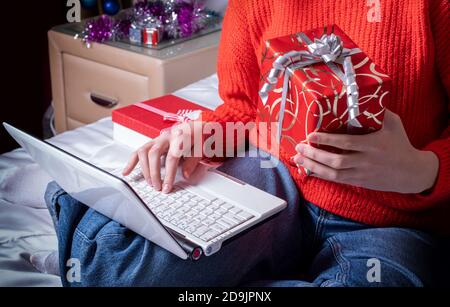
[(149, 123), (316, 99)]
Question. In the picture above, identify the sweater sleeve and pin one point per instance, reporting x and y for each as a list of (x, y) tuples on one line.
[(238, 70), (440, 21)]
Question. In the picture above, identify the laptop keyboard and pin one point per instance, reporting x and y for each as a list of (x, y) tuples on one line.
[(204, 218)]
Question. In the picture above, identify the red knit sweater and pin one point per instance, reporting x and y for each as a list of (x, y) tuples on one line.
[(411, 43)]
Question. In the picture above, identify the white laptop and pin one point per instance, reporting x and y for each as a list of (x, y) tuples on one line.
[(196, 219)]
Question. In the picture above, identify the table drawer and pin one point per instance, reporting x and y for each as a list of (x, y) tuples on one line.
[(93, 90)]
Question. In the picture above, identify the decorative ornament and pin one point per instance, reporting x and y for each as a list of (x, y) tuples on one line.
[(151, 35), (135, 33), (147, 34), (111, 7), (171, 19)]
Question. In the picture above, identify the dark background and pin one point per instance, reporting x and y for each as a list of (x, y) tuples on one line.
[(26, 87)]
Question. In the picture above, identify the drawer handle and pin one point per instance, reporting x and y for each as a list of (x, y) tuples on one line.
[(104, 101)]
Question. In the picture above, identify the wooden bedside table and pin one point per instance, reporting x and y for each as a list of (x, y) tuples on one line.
[(87, 84)]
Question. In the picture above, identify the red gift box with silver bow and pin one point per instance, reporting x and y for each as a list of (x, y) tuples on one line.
[(319, 81)]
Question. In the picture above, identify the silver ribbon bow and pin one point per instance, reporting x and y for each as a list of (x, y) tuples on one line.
[(330, 50)]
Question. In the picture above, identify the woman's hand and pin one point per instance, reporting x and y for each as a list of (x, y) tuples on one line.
[(384, 160), (175, 144)]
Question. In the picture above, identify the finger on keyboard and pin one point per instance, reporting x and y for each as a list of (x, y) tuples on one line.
[(144, 164), (131, 164), (172, 162)]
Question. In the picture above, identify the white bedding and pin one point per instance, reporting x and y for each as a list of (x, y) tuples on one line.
[(25, 225)]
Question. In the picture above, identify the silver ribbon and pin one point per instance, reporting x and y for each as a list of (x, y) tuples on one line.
[(330, 50)]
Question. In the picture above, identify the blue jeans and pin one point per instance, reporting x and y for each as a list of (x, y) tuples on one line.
[(302, 246)]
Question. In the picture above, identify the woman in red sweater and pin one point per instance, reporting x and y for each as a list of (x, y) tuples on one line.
[(361, 218)]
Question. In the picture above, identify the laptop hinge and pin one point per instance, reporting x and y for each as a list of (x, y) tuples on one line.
[(194, 251)]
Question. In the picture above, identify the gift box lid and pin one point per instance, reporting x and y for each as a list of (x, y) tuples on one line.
[(141, 119)]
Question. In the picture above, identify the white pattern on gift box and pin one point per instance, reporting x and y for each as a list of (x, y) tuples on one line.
[(183, 115), (342, 119)]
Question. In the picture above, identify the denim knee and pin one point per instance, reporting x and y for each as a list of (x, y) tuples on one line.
[(264, 172), (95, 226), (52, 193)]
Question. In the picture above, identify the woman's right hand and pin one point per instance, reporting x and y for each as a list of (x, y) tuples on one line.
[(177, 145)]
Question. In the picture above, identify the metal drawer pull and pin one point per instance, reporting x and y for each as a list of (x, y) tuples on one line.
[(104, 101)]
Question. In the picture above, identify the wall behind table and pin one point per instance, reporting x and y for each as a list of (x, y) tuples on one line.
[(25, 81)]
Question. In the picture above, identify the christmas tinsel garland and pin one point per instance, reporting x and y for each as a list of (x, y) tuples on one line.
[(174, 18)]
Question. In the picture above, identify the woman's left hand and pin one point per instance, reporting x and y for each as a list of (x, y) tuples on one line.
[(384, 160)]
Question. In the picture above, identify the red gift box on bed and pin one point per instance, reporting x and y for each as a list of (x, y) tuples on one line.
[(137, 124), (319, 81)]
